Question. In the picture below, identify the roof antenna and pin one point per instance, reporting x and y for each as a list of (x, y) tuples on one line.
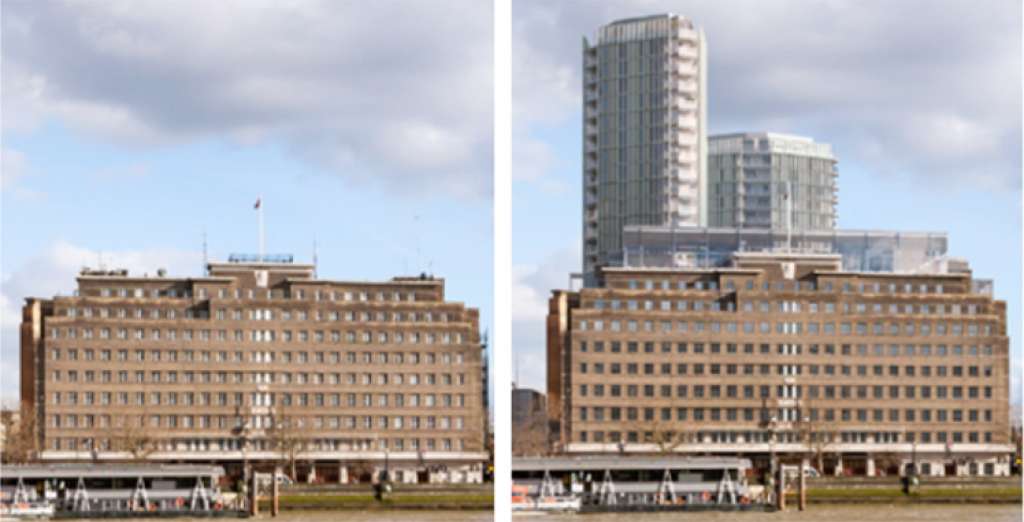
[(416, 234), (314, 257), (516, 383), (205, 270)]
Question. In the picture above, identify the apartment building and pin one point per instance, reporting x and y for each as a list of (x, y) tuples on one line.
[(771, 180), (644, 131), (782, 355), (259, 362)]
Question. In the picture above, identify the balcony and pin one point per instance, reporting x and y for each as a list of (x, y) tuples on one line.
[(590, 111), (590, 129), (685, 158), (679, 85), (686, 193), (590, 96), (686, 34), (590, 147), (590, 164), (589, 60), (684, 105), (686, 51), (683, 121), (685, 70)]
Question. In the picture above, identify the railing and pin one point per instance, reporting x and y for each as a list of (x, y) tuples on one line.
[(686, 34)]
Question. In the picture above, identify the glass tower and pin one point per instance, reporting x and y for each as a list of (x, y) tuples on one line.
[(644, 131), (768, 180)]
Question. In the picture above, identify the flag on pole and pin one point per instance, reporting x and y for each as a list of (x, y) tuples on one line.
[(257, 205)]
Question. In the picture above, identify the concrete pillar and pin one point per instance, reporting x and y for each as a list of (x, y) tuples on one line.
[(275, 506), (780, 486), (342, 473), (311, 477), (839, 466), (871, 466), (803, 485), (254, 497)]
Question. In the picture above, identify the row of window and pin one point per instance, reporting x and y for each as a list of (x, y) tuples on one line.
[(220, 445), (699, 369), (284, 357), (863, 350), (318, 336), (365, 422), (284, 378), (787, 391), (924, 437), (266, 314), (713, 414), (781, 286), (790, 306), (788, 327), (253, 293), (156, 398)]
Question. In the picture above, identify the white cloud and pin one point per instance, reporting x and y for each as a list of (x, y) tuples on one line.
[(397, 94), (53, 271), (531, 288), (12, 166)]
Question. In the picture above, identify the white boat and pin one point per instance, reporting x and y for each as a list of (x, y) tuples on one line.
[(537, 505), (22, 510)]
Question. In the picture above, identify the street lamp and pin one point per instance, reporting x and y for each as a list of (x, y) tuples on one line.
[(772, 427)]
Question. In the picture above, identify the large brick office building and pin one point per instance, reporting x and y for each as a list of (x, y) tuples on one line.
[(259, 362), (788, 355)]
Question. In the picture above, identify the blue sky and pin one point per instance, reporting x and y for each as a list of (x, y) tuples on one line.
[(127, 136), (923, 113)]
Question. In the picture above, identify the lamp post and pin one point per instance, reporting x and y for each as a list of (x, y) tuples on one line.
[(772, 427)]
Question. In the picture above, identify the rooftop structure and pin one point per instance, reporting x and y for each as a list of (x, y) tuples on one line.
[(859, 250)]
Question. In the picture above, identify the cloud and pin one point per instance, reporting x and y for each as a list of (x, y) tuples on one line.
[(52, 272), (531, 288), (915, 88), (391, 94), (12, 167)]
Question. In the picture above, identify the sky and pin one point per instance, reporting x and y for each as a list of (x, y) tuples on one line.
[(133, 128), (920, 100)]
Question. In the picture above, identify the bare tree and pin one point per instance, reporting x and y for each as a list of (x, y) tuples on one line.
[(130, 434), (285, 435), (817, 435), (662, 433), (21, 430)]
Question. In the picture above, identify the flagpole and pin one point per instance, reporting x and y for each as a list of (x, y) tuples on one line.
[(260, 211)]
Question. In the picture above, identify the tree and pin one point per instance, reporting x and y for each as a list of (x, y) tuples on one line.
[(663, 433), (817, 435), (129, 434), (285, 435), (21, 429)]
